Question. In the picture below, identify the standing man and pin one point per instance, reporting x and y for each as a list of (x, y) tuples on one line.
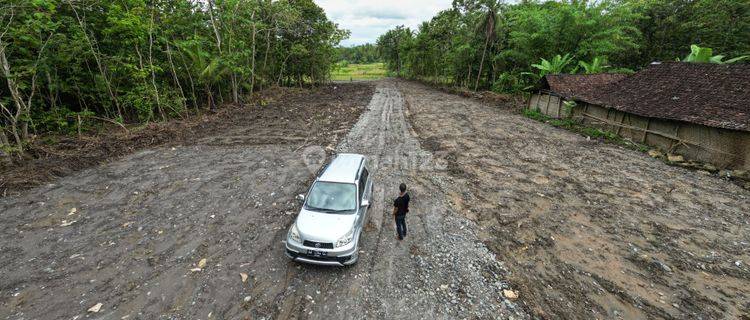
[(400, 208)]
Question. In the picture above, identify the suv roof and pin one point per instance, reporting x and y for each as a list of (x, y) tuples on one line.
[(343, 168)]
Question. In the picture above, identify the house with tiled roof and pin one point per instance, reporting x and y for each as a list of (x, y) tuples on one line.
[(698, 110)]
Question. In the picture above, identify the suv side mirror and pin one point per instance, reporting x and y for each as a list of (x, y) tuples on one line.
[(365, 203), (301, 198)]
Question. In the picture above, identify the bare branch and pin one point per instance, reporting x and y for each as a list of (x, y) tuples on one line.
[(36, 64), (6, 110), (108, 120), (7, 27)]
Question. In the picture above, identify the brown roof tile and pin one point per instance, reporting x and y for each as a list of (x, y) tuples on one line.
[(570, 85), (704, 93)]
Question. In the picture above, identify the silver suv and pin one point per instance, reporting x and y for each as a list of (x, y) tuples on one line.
[(328, 226)]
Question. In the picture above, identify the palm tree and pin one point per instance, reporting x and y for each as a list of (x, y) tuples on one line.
[(209, 69), (487, 27)]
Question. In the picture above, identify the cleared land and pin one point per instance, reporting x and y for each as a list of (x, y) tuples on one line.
[(590, 229), (579, 228), (354, 72)]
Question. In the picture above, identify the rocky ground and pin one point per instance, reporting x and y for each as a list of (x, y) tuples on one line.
[(589, 229), (277, 115), (510, 218)]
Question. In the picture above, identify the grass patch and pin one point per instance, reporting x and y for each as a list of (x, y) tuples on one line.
[(370, 71), (576, 127)]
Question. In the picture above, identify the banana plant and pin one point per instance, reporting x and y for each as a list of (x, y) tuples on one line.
[(598, 65), (555, 65), (705, 55)]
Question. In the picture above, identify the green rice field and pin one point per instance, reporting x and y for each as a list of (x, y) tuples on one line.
[(370, 71)]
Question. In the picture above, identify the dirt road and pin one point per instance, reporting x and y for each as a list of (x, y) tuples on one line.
[(589, 229), (142, 223), (578, 228)]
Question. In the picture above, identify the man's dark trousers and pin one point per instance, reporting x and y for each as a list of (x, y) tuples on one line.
[(401, 226)]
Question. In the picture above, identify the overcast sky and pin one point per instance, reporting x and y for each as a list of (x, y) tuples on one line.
[(369, 19)]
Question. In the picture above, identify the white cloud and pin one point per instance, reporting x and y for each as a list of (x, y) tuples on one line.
[(369, 19)]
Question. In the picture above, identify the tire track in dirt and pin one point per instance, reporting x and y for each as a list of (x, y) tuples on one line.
[(144, 221), (426, 275), (132, 243), (319, 280), (440, 271), (589, 229)]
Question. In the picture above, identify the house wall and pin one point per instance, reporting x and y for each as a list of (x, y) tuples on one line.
[(721, 147), (549, 104)]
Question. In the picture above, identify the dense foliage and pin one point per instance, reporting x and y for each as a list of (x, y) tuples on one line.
[(506, 47), (67, 62), (360, 54), (705, 55)]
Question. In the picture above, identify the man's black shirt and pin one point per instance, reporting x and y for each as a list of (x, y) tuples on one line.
[(402, 204)]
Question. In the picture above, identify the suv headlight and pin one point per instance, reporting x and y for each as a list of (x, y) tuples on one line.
[(294, 233), (346, 239)]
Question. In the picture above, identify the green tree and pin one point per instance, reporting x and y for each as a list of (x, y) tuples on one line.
[(362, 54), (487, 26), (669, 26), (134, 61), (483, 43), (392, 47)]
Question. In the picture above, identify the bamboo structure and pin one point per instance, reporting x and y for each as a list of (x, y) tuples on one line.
[(724, 148)]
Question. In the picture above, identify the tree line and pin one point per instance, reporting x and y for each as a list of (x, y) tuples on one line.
[(71, 63), (361, 54), (489, 44)]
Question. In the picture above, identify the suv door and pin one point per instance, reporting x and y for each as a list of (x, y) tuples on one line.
[(364, 194)]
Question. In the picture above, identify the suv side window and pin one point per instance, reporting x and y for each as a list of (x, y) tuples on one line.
[(363, 182)]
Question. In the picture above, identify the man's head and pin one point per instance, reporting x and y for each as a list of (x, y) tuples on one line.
[(402, 187)]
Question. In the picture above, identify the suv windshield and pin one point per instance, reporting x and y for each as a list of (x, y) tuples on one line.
[(332, 197)]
